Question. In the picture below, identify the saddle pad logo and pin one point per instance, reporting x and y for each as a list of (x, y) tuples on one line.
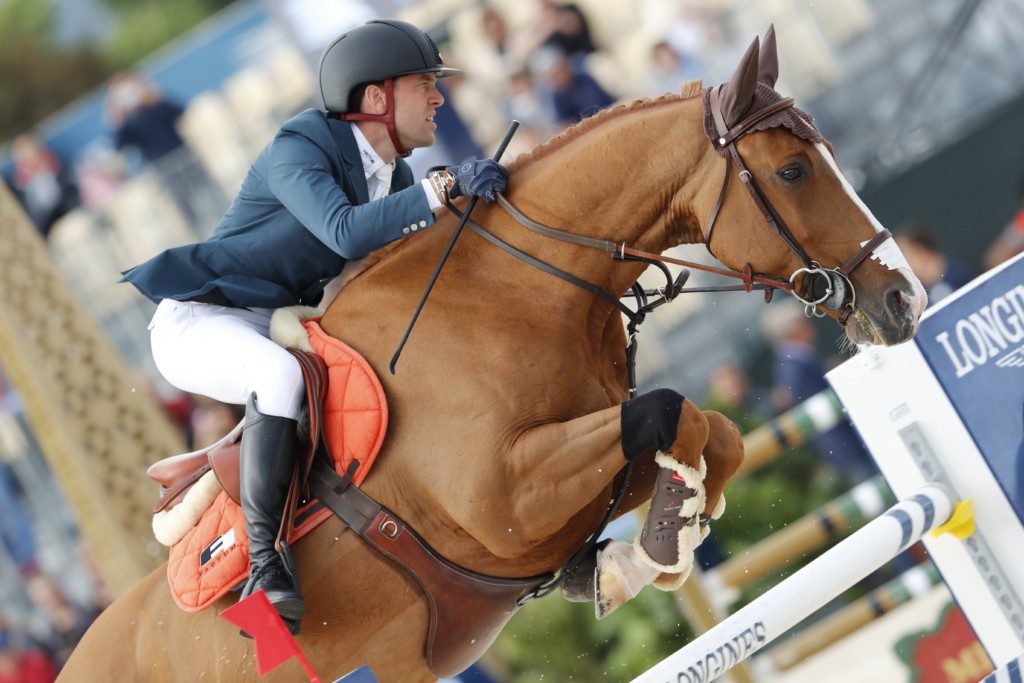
[(221, 544)]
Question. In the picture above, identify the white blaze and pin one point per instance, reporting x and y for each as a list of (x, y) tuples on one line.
[(886, 253)]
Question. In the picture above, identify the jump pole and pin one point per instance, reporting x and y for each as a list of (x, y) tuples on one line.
[(712, 654)]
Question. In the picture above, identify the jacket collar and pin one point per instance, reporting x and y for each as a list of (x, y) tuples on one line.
[(341, 131)]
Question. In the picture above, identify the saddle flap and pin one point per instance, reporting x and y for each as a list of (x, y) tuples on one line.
[(224, 459), (170, 471)]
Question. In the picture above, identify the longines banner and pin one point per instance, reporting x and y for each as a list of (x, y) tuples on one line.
[(975, 346)]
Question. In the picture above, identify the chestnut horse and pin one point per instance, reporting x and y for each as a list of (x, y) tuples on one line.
[(506, 434)]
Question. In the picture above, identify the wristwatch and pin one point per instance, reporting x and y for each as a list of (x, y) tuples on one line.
[(442, 181)]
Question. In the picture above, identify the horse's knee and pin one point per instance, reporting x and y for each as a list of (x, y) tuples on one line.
[(723, 453), (691, 436), (724, 440), (650, 421)]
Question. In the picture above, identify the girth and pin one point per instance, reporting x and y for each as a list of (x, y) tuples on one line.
[(467, 609)]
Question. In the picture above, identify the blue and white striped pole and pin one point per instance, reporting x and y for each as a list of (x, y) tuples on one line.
[(1010, 673), (787, 604)]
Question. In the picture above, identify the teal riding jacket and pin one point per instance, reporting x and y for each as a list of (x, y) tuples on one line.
[(303, 211)]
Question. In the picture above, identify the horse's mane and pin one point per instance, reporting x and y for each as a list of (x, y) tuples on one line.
[(687, 91)]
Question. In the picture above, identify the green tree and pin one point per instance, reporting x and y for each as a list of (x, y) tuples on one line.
[(555, 640), (38, 77), (144, 26)]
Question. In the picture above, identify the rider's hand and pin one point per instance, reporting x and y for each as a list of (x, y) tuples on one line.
[(483, 178)]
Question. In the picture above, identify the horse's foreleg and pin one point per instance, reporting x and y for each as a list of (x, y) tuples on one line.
[(622, 569), (723, 455), (687, 495), (549, 474)]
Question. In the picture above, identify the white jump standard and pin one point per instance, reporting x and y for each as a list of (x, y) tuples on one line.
[(770, 616)]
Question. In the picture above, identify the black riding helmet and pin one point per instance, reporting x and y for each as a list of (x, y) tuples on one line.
[(379, 50)]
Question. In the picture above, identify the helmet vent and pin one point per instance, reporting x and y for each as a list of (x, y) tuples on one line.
[(433, 46)]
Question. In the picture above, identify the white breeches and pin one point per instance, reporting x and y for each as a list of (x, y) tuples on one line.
[(226, 354)]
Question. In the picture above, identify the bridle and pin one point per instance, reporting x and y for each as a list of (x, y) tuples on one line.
[(830, 289)]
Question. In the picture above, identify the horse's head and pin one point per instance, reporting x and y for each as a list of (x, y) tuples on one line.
[(793, 215)]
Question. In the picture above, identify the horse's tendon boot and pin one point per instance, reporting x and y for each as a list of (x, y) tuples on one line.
[(266, 465), (672, 530)]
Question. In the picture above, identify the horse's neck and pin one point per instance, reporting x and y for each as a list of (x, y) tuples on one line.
[(634, 177)]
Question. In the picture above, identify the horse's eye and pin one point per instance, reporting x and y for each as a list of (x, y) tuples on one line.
[(791, 174)]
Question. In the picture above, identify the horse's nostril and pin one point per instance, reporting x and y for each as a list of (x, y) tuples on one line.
[(899, 304)]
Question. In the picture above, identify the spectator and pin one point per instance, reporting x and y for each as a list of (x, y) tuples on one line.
[(143, 121), (800, 374), (145, 129), (212, 419), (100, 172), (1010, 241), (574, 92), (564, 27), (20, 663), (41, 182), (496, 31), (671, 66), (940, 275), (729, 394), (526, 105), (176, 404), (16, 531), (68, 622)]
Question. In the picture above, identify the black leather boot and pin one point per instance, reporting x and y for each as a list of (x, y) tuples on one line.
[(266, 462)]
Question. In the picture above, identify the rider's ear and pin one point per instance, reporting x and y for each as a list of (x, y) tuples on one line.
[(768, 59), (374, 99), (738, 93)]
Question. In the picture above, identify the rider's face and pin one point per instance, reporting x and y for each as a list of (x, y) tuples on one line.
[(416, 100)]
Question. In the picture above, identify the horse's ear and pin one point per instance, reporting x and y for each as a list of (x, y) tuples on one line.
[(738, 93), (768, 59)]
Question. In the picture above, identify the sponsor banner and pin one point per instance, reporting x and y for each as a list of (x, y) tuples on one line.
[(974, 343)]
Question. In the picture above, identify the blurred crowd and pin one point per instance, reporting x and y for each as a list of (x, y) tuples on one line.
[(44, 611), (51, 595), (551, 68), (143, 129)]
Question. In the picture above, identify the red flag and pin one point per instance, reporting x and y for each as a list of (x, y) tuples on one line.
[(274, 642)]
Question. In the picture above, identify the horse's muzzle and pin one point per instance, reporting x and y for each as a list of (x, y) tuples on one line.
[(902, 305)]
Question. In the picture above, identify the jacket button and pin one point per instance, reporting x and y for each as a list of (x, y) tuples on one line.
[(423, 224), (405, 231)]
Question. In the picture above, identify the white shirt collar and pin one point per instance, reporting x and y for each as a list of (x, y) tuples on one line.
[(372, 161)]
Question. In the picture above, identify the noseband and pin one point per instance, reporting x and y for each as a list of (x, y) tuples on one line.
[(830, 289)]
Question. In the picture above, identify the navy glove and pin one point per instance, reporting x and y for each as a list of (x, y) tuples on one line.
[(483, 178)]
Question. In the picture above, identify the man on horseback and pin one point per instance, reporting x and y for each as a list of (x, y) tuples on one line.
[(330, 187)]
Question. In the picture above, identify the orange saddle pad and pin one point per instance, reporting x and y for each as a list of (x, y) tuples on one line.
[(213, 557)]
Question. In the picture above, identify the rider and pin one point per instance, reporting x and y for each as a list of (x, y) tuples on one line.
[(330, 187)]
